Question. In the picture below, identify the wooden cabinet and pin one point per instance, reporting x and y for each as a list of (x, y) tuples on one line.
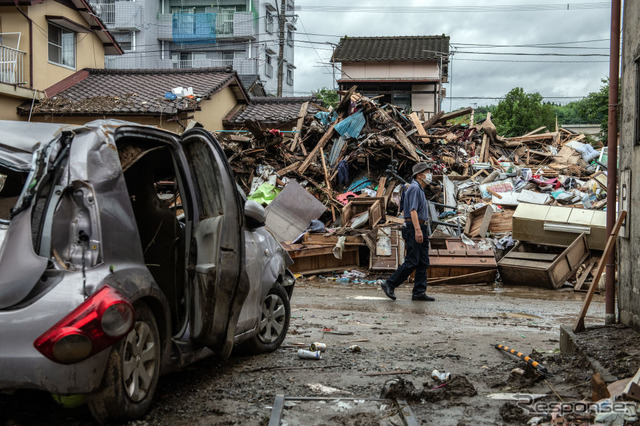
[(543, 265)]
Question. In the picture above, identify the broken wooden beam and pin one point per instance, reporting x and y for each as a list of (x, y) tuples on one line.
[(321, 143), (418, 124), (454, 114), (301, 115)]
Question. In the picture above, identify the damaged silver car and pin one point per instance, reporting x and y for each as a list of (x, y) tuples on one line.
[(126, 252)]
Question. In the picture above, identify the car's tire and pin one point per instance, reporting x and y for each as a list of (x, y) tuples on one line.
[(274, 322), (131, 377)]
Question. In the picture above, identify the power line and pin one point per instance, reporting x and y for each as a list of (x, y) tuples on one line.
[(457, 9), (533, 54), (511, 61)]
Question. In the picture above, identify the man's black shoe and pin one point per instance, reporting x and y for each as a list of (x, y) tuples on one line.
[(388, 290), (423, 298)]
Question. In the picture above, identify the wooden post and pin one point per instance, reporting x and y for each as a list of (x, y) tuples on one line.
[(301, 115), (324, 168), (608, 249)]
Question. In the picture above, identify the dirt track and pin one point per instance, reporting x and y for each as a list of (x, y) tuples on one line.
[(454, 334)]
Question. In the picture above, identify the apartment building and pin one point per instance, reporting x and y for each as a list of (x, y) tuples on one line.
[(174, 34)]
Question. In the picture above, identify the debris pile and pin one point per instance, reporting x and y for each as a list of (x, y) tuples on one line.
[(355, 159)]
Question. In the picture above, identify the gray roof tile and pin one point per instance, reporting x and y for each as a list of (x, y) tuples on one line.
[(409, 48), (132, 92)]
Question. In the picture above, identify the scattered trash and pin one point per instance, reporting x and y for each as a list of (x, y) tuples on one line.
[(304, 354), (317, 346), (541, 368), (443, 377), (355, 348)]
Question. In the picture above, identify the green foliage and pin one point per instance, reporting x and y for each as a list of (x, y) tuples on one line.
[(595, 107), (329, 96), (519, 113), (481, 112)]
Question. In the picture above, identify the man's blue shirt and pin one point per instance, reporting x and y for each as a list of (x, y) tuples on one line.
[(414, 199)]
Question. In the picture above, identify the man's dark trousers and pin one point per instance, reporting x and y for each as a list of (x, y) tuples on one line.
[(417, 259)]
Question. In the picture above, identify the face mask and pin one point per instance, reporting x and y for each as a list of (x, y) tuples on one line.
[(428, 177)]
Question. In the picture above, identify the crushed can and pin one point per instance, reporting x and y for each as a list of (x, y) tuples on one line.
[(317, 346), (443, 377), (304, 354), (355, 348)]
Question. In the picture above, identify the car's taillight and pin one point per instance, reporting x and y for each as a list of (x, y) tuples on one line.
[(96, 324)]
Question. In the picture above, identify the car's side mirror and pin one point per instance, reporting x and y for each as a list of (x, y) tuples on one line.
[(254, 214)]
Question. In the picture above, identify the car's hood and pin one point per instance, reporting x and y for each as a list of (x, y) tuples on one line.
[(20, 139)]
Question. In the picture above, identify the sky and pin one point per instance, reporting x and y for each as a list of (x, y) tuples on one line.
[(480, 34)]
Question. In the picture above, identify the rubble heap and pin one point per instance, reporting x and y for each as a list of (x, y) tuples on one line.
[(355, 158)]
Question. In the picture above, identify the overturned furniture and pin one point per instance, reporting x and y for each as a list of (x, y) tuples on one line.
[(451, 261), (543, 265)]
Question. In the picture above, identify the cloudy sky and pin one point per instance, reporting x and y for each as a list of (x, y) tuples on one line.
[(570, 40)]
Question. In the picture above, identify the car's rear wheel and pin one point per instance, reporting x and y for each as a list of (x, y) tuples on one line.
[(274, 322), (131, 377)]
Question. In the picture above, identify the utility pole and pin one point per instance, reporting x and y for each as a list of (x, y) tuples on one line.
[(281, 22)]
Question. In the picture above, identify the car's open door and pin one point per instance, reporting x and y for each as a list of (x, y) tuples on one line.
[(216, 290)]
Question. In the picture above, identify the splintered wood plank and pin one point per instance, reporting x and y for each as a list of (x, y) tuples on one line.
[(418, 124), (406, 144), (324, 168), (583, 277), (299, 124), (321, 143)]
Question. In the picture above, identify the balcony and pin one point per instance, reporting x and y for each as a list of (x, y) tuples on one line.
[(127, 61), (242, 66), (12, 66), (227, 25), (120, 15)]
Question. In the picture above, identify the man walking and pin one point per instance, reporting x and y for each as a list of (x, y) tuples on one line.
[(415, 233)]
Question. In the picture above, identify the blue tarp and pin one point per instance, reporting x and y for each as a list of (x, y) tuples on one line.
[(325, 117), (191, 28), (351, 126)]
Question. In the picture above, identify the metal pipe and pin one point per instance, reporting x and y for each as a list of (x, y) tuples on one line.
[(612, 152)]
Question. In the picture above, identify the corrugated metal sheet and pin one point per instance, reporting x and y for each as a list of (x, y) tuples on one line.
[(351, 126)]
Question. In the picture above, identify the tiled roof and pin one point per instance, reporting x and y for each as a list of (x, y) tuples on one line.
[(272, 111), (133, 92), (410, 48)]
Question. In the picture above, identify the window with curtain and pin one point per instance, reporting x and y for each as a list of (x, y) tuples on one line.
[(62, 46)]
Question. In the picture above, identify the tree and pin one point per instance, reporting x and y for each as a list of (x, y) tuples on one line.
[(595, 108), (328, 96), (519, 113)]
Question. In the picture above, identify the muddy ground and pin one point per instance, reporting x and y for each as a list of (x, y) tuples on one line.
[(401, 344)]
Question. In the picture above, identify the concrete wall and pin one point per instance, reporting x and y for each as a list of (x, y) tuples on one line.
[(215, 109), (629, 159), (424, 101), (89, 49), (9, 107), (389, 70)]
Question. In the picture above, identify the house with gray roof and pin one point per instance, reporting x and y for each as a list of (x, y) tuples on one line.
[(168, 99), (405, 71)]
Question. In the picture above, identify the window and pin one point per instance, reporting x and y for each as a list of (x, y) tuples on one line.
[(62, 46), (270, 22), (126, 41), (227, 20), (289, 76), (268, 70), (290, 37)]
